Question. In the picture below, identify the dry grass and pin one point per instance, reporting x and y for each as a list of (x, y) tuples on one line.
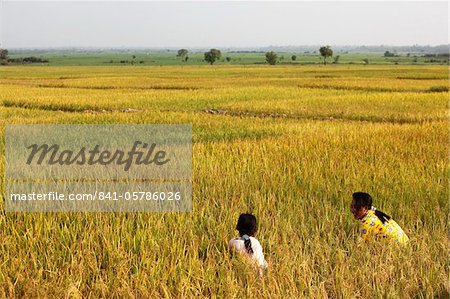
[(295, 173)]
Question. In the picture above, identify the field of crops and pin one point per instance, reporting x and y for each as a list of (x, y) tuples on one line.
[(287, 143)]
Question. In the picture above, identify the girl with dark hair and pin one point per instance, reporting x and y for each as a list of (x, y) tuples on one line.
[(375, 224), (246, 243)]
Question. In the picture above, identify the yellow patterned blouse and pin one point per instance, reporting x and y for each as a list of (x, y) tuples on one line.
[(377, 225)]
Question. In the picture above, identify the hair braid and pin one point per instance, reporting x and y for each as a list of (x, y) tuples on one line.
[(248, 244)]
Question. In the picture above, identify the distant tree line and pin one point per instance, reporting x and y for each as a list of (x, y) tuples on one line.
[(389, 54), (4, 59), (30, 59), (272, 58), (438, 55)]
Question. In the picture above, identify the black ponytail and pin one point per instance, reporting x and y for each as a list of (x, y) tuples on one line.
[(248, 244), (382, 216)]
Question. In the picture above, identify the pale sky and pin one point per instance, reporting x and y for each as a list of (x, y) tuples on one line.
[(220, 24)]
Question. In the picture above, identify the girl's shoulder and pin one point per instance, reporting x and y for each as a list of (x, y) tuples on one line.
[(233, 242)]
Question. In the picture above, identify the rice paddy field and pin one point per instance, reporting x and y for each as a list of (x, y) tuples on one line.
[(287, 143)]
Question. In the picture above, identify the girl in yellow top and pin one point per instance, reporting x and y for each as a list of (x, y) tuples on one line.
[(375, 224)]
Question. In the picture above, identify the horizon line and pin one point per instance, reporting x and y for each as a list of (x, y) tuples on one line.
[(224, 46)]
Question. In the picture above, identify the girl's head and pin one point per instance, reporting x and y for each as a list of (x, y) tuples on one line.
[(361, 203), (247, 225)]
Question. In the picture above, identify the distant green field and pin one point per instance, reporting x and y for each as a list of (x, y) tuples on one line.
[(169, 58)]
